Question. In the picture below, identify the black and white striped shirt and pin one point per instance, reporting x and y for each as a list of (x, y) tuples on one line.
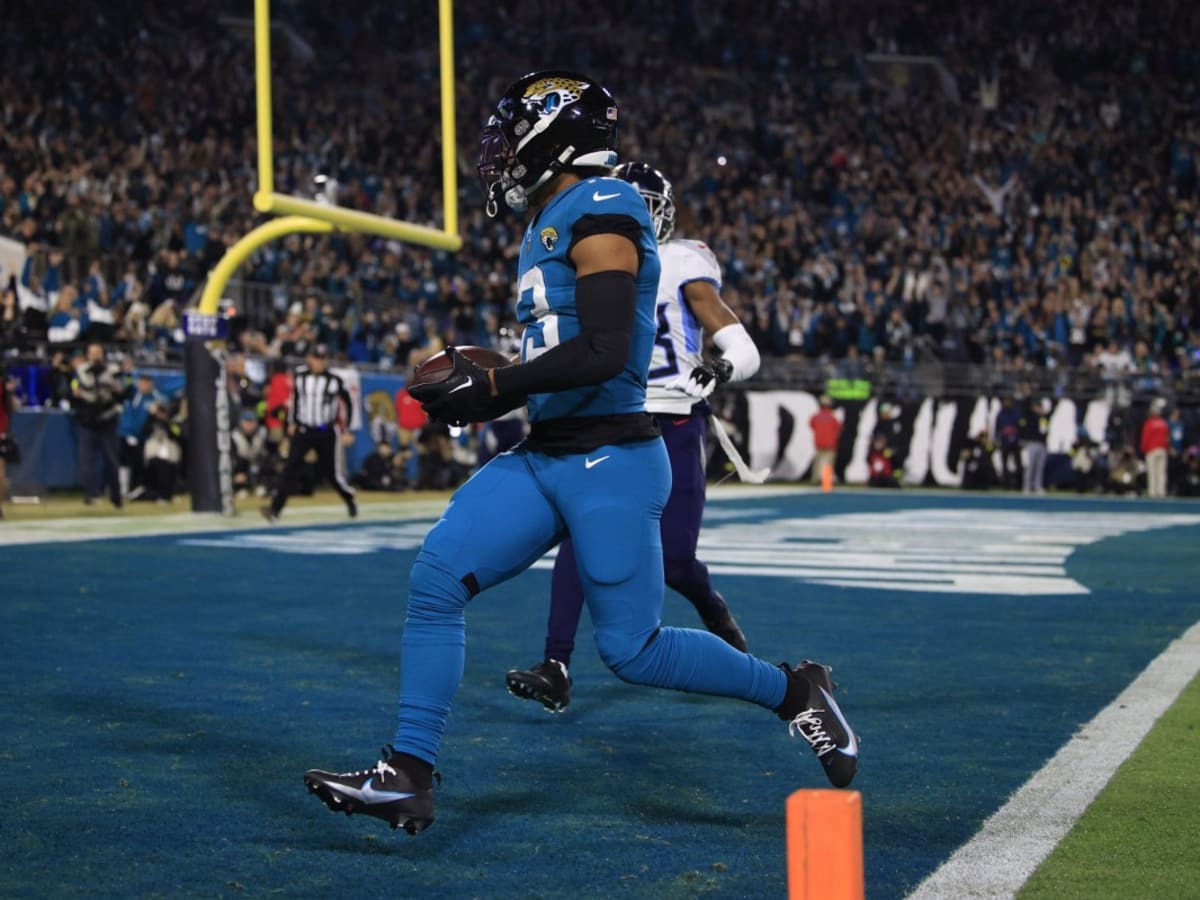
[(317, 399)]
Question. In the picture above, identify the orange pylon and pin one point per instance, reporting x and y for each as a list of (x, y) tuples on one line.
[(824, 845)]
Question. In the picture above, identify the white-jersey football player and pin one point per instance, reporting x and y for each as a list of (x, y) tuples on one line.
[(680, 378)]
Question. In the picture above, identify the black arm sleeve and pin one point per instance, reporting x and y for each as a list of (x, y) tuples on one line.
[(606, 303), (608, 223)]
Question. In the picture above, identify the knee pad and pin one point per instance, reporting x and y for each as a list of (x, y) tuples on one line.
[(629, 657), (434, 592), (616, 649)]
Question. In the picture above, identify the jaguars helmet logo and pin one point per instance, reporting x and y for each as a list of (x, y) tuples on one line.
[(549, 238), (552, 94)]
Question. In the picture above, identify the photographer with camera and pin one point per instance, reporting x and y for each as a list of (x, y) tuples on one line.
[(162, 453), (98, 392), (134, 428)]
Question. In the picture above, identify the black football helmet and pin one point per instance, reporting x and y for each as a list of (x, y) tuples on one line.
[(546, 122), (656, 191)]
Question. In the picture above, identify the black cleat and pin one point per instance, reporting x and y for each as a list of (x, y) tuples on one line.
[(548, 683), (726, 628), (388, 791), (810, 711), (352, 508), (269, 514)]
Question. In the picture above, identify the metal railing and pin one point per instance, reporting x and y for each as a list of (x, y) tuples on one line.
[(75, 264), (888, 381), (264, 304), (935, 378)]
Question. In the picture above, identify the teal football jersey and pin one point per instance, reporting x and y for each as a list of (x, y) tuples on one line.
[(546, 303)]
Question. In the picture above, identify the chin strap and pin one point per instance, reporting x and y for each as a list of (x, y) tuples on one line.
[(516, 198)]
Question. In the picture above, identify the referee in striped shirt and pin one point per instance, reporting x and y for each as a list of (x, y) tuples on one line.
[(319, 402)]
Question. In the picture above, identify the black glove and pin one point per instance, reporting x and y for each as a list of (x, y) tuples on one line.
[(465, 396), (704, 379)]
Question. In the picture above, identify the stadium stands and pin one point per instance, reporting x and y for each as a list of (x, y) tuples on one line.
[(1046, 211), (1026, 214)]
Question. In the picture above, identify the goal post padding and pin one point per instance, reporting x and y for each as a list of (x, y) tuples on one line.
[(209, 450)]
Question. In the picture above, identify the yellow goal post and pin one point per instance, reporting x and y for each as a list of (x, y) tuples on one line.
[(302, 215)]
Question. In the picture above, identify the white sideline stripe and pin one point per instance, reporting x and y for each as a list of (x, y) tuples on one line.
[(1015, 840), (115, 527), (17, 532)]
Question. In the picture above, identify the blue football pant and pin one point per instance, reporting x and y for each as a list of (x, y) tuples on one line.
[(685, 438), (506, 517)]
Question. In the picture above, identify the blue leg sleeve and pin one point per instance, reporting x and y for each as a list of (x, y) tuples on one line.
[(701, 663), (432, 658), (497, 524), (614, 525)]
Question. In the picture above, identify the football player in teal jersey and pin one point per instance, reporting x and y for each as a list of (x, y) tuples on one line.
[(680, 380), (594, 466)]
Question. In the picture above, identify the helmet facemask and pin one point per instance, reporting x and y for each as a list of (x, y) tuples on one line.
[(656, 190), (495, 161), (662, 213)]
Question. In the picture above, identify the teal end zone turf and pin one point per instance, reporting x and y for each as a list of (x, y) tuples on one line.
[(162, 698)]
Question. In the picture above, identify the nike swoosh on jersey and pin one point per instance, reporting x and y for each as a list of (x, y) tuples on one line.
[(598, 197), (368, 794), (588, 463), (466, 384), (851, 748)]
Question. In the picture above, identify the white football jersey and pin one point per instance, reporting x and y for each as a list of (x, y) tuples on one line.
[(680, 336)]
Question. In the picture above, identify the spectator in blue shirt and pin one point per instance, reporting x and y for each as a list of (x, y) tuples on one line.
[(66, 325)]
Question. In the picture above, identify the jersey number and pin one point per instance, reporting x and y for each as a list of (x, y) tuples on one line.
[(541, 334), (663, 339)]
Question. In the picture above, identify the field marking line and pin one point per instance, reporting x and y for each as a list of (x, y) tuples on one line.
[(1019, 836), (117, 527)]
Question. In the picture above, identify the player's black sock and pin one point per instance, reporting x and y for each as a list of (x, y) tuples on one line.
[(420, 771)]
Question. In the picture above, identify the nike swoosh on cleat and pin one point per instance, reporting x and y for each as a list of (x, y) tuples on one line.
[(368, 794), (466, 384), (851, 748), (588, 463), (598, 197)]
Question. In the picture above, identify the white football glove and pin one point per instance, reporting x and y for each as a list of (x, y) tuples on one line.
[(702, 380)]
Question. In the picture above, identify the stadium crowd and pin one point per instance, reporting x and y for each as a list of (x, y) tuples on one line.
[(1038, 203), (1027, 201)]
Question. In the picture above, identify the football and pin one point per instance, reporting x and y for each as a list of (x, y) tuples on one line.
[(437, 368)]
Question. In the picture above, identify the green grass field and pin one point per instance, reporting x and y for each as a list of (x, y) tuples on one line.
[(1140, 837)]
